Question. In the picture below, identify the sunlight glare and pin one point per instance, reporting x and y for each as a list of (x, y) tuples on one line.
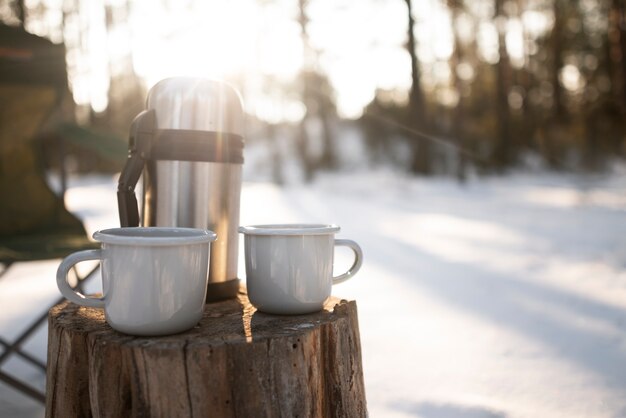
[(357, 87), (285, 61), (358, 56), (515, 42), (433, 42), (89, 78), (571, 78), (277, 110), (201, 41), (488, 42), (537, 23), (359, 46)]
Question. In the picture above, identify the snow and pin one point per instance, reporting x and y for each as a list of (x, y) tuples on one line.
[(500, 297)]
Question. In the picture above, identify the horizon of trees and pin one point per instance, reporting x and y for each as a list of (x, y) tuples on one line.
[(517, 78)]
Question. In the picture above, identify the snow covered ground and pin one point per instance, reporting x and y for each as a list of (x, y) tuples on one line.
[(503, 297)]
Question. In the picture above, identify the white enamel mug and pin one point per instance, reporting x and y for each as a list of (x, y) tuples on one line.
[(154, 279), (289, 268)]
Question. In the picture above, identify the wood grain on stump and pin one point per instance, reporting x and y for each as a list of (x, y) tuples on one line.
[(236, 363)]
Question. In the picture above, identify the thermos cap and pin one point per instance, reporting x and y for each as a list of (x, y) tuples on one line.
[(196, 104)]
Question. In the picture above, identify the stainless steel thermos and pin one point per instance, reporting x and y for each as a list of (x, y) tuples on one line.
[(188, 145)]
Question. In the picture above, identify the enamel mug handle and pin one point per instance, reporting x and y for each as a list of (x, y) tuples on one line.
[(69, 293), (358, 259)]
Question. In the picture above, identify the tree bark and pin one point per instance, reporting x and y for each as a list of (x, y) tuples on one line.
[(236, 363)]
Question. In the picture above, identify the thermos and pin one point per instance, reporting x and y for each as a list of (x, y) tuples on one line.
[(188, 145)]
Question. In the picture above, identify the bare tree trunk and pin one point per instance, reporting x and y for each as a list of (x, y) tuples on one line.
[(316, 98), (457, 127), (416, 96), (557, 60), (20, 10), (621, 11), (525, 80), (303, 137), (303, 150), (617, 52), (277, 158), (328, 159), (420, 162), (550, 131), (503, 150)]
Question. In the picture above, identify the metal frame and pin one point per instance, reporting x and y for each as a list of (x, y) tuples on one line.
[(15, 348)]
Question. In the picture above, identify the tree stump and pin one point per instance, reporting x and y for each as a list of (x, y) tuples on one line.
[(236, 363)]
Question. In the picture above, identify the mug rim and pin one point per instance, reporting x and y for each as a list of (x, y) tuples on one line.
[(154, 236), (290, 229)]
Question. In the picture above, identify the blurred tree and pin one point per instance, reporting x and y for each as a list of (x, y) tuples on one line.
[(506, 79), (502, 154), (416, 120), (604, 113), (320, 109), (550, 80), (20, 11), (528, 122), (458, 128), (557, 58), (616, 42)]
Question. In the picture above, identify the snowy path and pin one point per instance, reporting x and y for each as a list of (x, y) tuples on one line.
[(505, 297)]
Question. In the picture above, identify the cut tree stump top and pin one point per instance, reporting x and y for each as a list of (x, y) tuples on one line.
[(235, 362)]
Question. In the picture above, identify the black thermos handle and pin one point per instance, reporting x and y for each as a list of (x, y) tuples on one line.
[(128, 208), (140, 144)]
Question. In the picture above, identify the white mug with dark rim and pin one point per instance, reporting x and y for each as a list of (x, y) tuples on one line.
[(154, 279), (289, 267)]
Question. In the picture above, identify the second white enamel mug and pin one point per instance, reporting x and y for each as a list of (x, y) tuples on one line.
[(289, 267)]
